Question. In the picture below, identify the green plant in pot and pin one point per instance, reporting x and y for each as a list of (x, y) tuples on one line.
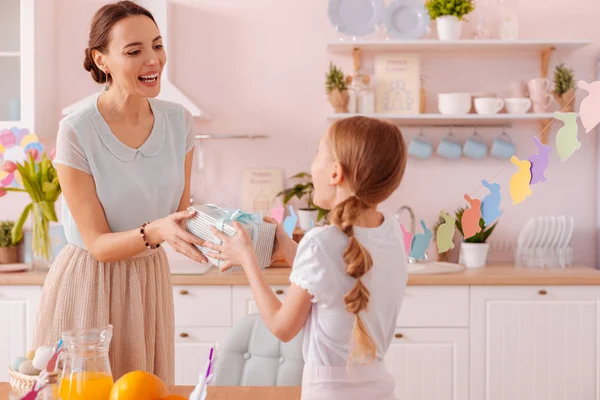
[(337, 89), (474, 250), (9, 252), (564, 88), (304, 188), (449, 15)]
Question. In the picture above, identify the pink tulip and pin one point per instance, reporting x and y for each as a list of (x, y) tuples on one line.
[(52, 154), (2, 191), (33, 153), (9, 167)]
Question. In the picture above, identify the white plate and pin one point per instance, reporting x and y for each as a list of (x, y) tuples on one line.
[(568, 232), (355, 17), (406, 19), (525, 234), (13, 267)]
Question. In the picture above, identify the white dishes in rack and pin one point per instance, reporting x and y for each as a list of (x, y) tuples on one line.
[(545, 241)]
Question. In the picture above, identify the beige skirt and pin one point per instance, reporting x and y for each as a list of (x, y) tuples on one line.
[(134, 296)]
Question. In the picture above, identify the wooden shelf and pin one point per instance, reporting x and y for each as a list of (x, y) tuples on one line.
[(455, 45), (466, 120)]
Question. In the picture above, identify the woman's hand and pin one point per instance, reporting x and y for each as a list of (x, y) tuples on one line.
[(234, 250), (171, 229), (284, 247)]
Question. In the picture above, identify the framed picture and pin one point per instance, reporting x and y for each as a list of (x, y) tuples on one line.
[(260, 187), (397, 84)]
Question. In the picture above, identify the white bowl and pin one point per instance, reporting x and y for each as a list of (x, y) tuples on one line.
[(454, 103)]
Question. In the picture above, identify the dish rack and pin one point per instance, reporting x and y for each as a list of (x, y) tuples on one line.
[(545, 242)]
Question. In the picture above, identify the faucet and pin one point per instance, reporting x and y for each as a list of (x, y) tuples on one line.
[(412, 217)]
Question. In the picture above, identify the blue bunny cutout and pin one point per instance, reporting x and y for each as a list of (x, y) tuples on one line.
[(490, 205), (420, 243), (289, 223)]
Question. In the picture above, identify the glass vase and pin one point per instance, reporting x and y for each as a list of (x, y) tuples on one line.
[(40, 238)]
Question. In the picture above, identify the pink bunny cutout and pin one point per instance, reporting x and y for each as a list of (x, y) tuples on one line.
[(407, 237)]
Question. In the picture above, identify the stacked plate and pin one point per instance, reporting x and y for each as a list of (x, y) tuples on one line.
[(403, 19), (545, 241)]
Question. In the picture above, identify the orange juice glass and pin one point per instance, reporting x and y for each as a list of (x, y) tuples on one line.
[(86, 370)]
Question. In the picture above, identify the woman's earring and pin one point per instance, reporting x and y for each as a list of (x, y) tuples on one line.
[(106, 81)]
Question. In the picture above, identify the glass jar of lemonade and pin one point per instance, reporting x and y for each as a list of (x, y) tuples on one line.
[(86, 369)]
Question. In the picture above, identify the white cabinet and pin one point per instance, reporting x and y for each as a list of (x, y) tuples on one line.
[(430, 364), (18, 310), (17, 64), (192, 348), (243, 301), (535, 343), (203, 316)]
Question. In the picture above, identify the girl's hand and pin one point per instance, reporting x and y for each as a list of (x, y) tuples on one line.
[(171, 229), (235, 250), (284, 247)]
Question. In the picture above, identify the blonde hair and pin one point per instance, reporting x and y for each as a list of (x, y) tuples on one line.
[(372, 154)]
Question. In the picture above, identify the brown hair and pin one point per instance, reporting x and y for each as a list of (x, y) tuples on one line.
[(102, 23), (372, 154)]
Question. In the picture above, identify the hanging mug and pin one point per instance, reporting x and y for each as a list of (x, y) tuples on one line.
[(449, 147), (503, 147), (474, 147), (420, 147)]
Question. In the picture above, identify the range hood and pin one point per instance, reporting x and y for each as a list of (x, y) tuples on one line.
[(168, 91)]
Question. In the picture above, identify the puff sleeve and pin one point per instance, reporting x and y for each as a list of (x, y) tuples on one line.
[(310, 270), (69, 150)]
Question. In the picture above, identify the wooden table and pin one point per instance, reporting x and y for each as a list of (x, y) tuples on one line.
[(220, 392)]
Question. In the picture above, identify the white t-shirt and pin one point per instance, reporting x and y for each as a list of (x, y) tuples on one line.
[(319, 268), (133, 185)]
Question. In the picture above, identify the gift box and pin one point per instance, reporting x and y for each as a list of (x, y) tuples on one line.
[(262, 233)]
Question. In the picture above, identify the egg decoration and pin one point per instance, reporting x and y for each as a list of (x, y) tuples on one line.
[(42, 356), (27, 368), (30, 354), (17, 363)]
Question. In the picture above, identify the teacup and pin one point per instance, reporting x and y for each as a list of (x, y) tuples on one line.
[(454, 103), (449, 147), (503, 147), (517, 105), (488, 105), (474, 147), (420, 147)]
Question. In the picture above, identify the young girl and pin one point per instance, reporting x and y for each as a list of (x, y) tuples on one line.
[(348, 278)]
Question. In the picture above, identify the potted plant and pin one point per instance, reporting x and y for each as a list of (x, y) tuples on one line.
[(9, 252), (337, 89), (448, 15), (564, 88), (474, 250), (304, 188)]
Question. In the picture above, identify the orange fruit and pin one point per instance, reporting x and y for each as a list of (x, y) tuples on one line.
[(139, 385), (174, 397)]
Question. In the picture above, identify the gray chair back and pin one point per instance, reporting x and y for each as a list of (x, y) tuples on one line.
[(252, 356)]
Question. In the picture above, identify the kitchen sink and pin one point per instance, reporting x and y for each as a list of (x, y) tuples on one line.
[(434, 267)]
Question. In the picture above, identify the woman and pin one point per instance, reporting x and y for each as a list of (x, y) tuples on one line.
[(124, 164)]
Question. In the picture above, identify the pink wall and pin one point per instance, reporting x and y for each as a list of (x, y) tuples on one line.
[(258, 67)]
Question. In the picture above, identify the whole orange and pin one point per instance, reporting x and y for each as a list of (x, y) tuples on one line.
[(139, 385), (174, 397)]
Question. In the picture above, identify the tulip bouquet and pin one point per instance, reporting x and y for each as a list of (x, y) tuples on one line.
[(41, 183)]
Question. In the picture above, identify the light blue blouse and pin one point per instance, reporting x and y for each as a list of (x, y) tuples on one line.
[(133, 185)]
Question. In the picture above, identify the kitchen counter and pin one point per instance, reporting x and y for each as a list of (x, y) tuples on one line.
[(219, 392), (495, 274)]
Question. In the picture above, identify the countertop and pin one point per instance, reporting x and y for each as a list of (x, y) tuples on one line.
[(494, 274), (219, 392)]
